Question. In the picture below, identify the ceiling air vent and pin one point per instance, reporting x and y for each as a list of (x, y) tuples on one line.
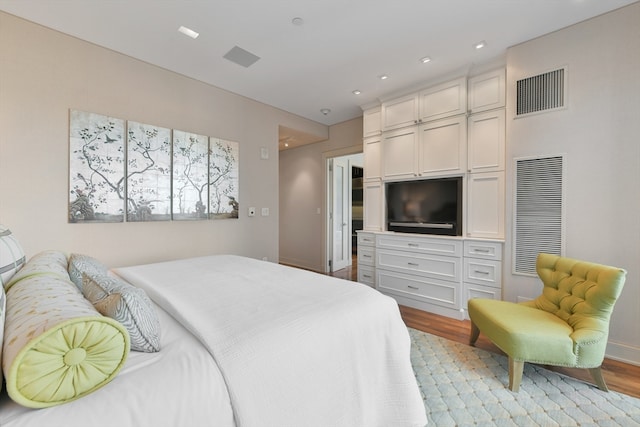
[(541, 93)]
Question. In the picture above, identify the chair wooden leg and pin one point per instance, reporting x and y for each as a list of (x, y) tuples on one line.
[(596, 374), (475, 333), (515, 374)]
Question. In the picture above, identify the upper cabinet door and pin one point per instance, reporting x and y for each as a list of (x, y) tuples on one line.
[(399, 153), (400, 112), (371, 122), (372, 158), (444, 100), (487, 91), (486, 141), (443, 146)]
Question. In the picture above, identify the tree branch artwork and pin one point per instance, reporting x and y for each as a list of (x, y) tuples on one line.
[(223, 179), (190, 175), (148, 172), (162, 174), (96, 163)]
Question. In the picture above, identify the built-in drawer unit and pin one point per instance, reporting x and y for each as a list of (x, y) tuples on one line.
[(366, 256), (438, 292), (426, 265), (483, 272), (366, 239), (367, 275), (483, 249), (435, 246)]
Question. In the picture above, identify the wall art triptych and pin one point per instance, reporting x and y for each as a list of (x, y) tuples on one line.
[(138, 172)]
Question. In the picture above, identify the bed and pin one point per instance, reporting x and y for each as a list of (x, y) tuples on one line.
[(251, 343)]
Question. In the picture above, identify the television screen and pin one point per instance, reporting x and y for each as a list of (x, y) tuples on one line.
[(430, 206)]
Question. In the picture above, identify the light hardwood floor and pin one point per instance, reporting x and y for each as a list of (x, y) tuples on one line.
[(620, 377)]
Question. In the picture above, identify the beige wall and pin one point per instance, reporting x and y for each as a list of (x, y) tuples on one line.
[(599, 134), (44, 73), (303, 192)]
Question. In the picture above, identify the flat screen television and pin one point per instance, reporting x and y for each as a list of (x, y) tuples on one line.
[(430, 206)]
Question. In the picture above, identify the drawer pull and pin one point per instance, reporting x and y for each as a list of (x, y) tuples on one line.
[(485, 251), (412, 264), (413, 245), (413, 287), (480, 272), (366, 256), (366, 276), (367, 240)]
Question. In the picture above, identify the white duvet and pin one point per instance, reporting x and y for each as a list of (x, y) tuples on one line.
[(295, 348)]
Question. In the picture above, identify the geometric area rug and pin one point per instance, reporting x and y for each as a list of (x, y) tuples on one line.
[(467, 386)]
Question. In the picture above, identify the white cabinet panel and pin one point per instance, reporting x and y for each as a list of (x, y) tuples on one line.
[(483, 272), (487, 141), (432, 291), (367, 275), (366, 256), (444, 100), (373, 218), (483, 249), (433, 266), (487, 91), (485, 207), (371, 122), (372, 151), (399, 153), (400, 112), (366, 239), (443, 146), (420, 244)]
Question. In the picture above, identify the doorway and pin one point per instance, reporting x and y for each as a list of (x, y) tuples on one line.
[(344, 209)]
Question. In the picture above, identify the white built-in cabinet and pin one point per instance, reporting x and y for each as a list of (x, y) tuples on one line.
[(443, 100), (456, 128), (371, 122)]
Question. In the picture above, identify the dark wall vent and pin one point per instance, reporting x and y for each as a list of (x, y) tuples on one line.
[(540, 93)]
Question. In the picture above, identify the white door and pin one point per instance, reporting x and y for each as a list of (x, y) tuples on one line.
[(340, 214)]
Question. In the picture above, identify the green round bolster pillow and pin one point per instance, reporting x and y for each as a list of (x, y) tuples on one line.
[(57, 347)]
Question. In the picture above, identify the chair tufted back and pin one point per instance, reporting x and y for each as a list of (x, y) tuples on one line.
[(580, 293)]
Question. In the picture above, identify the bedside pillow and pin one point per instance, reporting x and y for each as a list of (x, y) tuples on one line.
[(48, 263), (83, 264), (57, 347), (127, 304)]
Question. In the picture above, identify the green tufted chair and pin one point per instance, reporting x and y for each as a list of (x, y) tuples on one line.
[(568, 325)]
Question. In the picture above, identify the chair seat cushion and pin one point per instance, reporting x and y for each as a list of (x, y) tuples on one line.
[(524, 333)]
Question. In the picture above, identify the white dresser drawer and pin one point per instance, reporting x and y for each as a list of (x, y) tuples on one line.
[(483, 272), (483, 249), (366, 256), (366, 239), (366, 275), (444, 247), (479, 291), (442, 293), (426, 265)]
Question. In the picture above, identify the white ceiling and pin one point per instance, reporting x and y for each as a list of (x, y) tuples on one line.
[(343, 45)]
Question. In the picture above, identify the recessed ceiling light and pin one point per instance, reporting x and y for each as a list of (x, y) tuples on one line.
[(325, 111), (425, 59), (383, 77), (480, 45), (356, 92), (188, 32)]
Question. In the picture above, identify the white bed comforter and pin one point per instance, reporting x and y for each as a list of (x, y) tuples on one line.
[(295, 348)]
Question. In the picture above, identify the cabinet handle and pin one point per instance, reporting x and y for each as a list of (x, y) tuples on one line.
[(413, 287), (366, 256), (480, 272), (366, 276), (412, 264), (485, 251), (413, 245)]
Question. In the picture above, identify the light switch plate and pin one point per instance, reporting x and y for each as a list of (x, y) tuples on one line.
[(265, 211)]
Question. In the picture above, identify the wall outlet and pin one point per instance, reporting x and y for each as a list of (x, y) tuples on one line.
[(251, 211)]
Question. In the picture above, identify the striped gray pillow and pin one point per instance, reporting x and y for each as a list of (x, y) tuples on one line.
[(127, 304)]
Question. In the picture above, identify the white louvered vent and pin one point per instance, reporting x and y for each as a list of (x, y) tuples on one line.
[(538, 211), (542, 92)]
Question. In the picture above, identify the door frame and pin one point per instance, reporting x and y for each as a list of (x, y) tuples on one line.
[(326, 201)]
